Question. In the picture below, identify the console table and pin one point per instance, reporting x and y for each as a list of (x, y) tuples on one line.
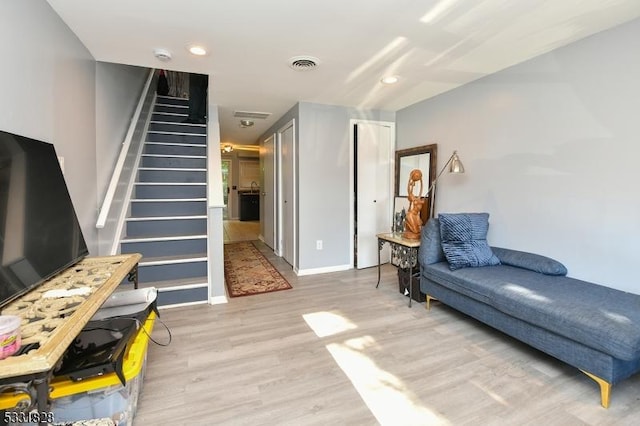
[(404, 254), (49, 325)]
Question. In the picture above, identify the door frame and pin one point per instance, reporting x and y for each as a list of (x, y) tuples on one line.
[(273, 189), (352, 123), (294, 183), (230, 197)]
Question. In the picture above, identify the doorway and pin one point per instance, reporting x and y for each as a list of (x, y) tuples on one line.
[(226, 179), (372, 175)]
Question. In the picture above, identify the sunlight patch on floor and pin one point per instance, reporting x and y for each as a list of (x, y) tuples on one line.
[(386, 396), (327, 323)]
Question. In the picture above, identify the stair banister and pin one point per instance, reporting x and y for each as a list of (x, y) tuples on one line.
[(115, 178)]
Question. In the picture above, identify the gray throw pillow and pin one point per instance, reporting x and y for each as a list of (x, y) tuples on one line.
[(464, 240)]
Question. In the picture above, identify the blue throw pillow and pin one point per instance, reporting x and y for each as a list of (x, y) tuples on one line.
[(464, 240), (533, 262), (430, 250)]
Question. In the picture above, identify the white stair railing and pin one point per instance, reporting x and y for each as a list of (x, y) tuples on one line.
[(112, 213)]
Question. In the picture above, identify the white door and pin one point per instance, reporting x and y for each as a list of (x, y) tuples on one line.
[(268, 189), (374, 144), (287, 222)]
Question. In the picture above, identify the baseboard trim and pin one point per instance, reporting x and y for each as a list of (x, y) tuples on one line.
[(218, 300), (179, 305), (314, 271)]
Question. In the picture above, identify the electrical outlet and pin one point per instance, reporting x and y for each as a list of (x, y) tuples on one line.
[(318, 244)]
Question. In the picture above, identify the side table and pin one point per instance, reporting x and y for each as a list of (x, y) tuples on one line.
[(404, 254)]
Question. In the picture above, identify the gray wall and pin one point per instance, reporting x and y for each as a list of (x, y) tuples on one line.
[(551, 151), (323, 174), (118, 89), (48, 93), (324, 201)]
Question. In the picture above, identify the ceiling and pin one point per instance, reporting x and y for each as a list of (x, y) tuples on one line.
[(431, 45)]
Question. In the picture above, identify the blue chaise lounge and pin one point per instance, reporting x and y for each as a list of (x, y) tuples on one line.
[(529, 297)]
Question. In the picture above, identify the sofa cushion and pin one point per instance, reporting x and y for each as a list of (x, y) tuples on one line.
[(430, 250), (599, 317), (464, 240), (533, 262), (472, 282)]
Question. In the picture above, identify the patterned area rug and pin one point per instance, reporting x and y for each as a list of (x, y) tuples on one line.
[(247, 271)]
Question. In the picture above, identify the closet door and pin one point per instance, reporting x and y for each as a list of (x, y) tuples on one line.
[(268, 192), (287, 223), (373, 190)]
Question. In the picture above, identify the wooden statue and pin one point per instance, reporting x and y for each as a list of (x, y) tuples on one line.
[(413, 221)]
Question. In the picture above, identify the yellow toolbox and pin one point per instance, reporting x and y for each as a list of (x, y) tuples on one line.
[(103, 396)]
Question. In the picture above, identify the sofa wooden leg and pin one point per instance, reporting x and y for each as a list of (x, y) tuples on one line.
[(605, 389)]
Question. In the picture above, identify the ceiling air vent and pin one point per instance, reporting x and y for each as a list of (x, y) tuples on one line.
[(251, 114), (303, 63)]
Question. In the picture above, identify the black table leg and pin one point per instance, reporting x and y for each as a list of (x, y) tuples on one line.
[(410, 283), (133, 276), (380, 244), (42, 397)]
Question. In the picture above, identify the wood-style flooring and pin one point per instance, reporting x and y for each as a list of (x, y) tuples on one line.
[(236, 230), (335, 350)]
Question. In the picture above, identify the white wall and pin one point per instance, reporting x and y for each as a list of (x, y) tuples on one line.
[(118, 89), (551, 151), (215, 203), (48, 93)]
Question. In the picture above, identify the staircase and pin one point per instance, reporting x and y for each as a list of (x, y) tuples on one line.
[(167, 220)]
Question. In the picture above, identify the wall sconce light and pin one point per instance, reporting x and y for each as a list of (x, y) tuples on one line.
[(227, 148)]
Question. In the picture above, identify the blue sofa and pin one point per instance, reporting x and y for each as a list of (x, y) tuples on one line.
[(529, 297)]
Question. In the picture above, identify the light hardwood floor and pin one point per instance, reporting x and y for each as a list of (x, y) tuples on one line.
[(236, 230), (335, 350)]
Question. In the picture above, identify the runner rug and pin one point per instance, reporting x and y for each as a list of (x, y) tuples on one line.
[(247, 271)]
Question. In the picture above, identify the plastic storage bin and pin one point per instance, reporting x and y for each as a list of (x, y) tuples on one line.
[(103, 396)]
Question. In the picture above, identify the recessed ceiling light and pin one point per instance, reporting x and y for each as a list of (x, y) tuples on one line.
[(246, 123), (197, 50), (390, 79)]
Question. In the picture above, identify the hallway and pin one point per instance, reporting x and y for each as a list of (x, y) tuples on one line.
[(236, 230)]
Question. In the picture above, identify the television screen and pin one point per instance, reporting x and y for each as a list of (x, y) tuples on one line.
[(39, 230)]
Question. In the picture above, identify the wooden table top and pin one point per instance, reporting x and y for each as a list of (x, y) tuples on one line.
[(397, 238), (53, 323)]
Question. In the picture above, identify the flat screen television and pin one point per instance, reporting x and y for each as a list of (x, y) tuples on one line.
[(39, 230)]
